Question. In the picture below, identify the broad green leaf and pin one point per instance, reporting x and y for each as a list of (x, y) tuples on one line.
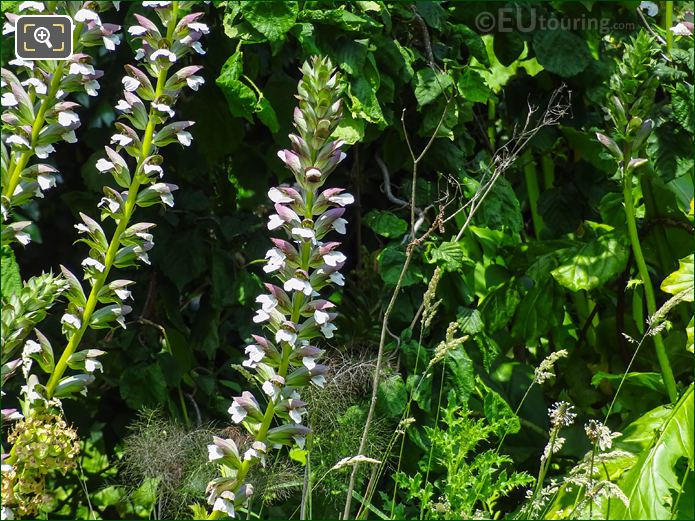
[(508, 46), (364, 103), (593, 264), (681, 279), (272, 19), (266, 113), (390, 262), (241, 99), (498, 306), (449, 255), (349, 130), (429, 85), (690, 332), (143, 386), (561, 52), (11, 280), (654, 480), (459, 373), (540, 309), (386, 224), (683, 106), (392, 396), (472, 87)]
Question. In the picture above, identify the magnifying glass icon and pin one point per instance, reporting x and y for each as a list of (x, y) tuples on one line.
[(43, 35)]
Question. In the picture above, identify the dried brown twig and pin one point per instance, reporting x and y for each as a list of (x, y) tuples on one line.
[(558, 106)]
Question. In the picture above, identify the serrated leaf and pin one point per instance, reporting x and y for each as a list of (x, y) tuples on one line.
[(271, 19), (390, 262), (593, 264), (429, 85), (11, 280)]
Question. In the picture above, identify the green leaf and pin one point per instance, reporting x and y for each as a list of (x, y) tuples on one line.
[(386, 224), (272, 19), (266, 114), (561, 52), (593, 264), (508, 47), (143, 386), (472, 86), (681, 279), (241, 99), (683, 110), (449, 255), (298, 455), (498, 306), (349, 130), (539, 309), (365, 104), (459, 373), (392, 396), (654, 480), (390, 262), (429, 85), (11, 281)]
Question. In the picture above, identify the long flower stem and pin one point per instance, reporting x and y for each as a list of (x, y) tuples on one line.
[(99, 282), (666, 372), (668, 22)]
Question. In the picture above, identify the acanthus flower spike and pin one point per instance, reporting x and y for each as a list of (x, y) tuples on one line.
[(36, 115), (293, 314)]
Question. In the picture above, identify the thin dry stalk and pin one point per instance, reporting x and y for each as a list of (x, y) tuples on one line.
[(558, 106)]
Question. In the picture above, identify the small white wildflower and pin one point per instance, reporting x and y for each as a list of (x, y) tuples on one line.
[(327, 330), (598, 433), (184, 138), (556, 447), (562, 414), (93, 263), (334, 258), (87, 15), (237, 411), (680, 29), (71, 320), (339, 225)]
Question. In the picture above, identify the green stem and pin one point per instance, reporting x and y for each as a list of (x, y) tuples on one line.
[(491, 122), (548, 168), (531, 178), (668, 23), (666, 372), (129, 208)]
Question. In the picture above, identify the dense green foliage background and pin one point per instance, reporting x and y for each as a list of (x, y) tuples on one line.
[(545, 265)]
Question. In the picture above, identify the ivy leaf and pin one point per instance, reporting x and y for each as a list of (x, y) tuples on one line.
[(11, 280), (593, 264), (654, 477), (681, 279), (386, 224), (272, 19), (561, 52), (429, 85)]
